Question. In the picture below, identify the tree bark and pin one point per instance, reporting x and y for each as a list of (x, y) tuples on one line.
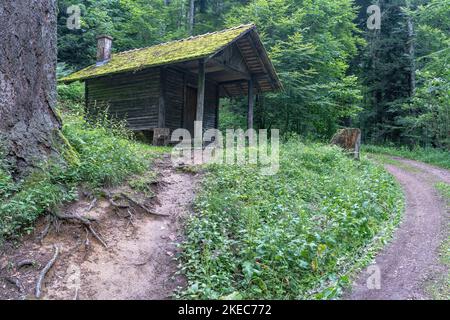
[(412, 56), (191, 16), (28, 122)]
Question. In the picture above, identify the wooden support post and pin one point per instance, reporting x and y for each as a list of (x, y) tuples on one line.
[(86, 97), (251, 104), (162, 99), (201, 91), (198, 126)]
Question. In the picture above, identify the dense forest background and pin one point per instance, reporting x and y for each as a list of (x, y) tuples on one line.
[(393, 82)]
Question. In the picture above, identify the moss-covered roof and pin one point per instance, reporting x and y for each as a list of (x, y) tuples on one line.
[(197, 47)]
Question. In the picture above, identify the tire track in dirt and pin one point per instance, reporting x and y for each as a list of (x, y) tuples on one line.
[(411, 259)]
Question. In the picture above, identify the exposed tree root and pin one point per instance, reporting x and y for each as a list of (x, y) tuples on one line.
[(82, 220), (46, 230), (87, 222), (130, 218), (45, 271), (24, 263), (140, 205), (118, 205), (87, 243), (94, 233), (92, 205)]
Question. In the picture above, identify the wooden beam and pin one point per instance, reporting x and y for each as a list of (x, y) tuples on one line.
[(251, 104), (231, 69), (209, 69), (188, 72), (226, 91), (257, 76)]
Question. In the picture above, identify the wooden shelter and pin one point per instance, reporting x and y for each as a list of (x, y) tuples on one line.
[(171, 85)]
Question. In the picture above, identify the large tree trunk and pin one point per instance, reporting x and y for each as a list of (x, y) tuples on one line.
[(412, 54), (28, 122)]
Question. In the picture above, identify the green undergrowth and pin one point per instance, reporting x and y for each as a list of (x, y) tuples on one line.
[(437, 157), (439, 287), (299, 234), (143, 183), (96, 154)]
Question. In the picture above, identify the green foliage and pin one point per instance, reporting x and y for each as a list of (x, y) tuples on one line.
[(24, 201), (384, 66), (294, 235), (427, 118), (232, 115), (433, 156), (444, 188), (439, 286), (107, 156), (406, 74), (71, 94), (143, 183), (311, 44)]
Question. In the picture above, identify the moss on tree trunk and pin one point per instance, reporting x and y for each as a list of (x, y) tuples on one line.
[(28, 82)]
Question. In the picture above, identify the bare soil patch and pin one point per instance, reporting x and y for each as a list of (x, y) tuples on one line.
[(138, 262)]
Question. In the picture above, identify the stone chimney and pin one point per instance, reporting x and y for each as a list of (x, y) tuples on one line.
[(104, 46)]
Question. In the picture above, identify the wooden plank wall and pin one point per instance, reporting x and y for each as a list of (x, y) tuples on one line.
[(135, 97), (210, 112), (174, 99), (130, 96)]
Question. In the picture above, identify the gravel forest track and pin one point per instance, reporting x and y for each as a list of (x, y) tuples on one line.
[(411, 259)]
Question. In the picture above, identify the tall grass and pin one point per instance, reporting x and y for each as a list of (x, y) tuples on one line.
[(297, 234), (96, 154)]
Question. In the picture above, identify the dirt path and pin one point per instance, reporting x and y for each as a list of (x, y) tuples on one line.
[(411, 260), (138, 263)]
